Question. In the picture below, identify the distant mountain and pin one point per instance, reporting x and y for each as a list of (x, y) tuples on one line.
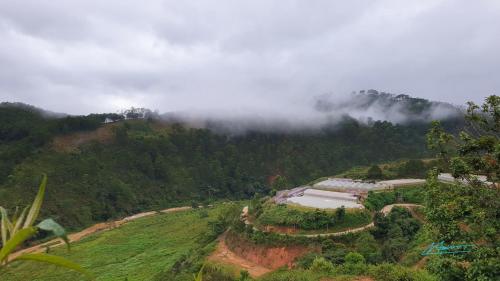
[(326, 112), (31, 109), (374, 105)]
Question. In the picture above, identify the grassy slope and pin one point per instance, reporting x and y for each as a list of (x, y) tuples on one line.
[(136, 251)]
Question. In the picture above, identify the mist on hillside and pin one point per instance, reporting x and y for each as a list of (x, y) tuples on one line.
[(327, 110)]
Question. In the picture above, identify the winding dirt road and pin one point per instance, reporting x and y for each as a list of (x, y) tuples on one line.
[(385, 210), (224, 255)]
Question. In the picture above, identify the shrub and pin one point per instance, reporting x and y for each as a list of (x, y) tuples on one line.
[(321, 265), (446, 268), (306, 261), (354, 264), (368, 247), (391, 272), (212, 272), (374, 173)]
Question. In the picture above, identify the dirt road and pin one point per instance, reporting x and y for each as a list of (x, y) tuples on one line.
[(385, 210), (225, 255), (104, 226)]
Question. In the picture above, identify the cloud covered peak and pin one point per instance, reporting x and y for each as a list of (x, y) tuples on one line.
[(322, 111)]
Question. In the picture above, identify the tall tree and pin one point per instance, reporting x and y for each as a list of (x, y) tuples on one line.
[(469, 210)]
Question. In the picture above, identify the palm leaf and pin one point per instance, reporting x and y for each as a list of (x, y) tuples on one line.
[(54, 227), (19, 221), (15, 241), (3, 225), (5, 220), (55, 260), (37, 204)]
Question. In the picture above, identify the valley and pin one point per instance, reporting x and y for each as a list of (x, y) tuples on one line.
[(150, 199)]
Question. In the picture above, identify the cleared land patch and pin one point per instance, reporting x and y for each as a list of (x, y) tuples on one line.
[(71, 142)]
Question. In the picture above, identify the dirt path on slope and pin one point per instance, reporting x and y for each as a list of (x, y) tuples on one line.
[(388, 208), (99, 227), (224, 255)]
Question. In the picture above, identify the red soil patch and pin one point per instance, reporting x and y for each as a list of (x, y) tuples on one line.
[(256, 259), (223, 255)]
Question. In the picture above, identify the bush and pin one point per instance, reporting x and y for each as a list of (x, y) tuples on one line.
[(354, 264), (306, 261), (354, 258), (212, 272), (414, 168), (374, 173), (446, 268), (391, 272), (321, 265), (368, 247)]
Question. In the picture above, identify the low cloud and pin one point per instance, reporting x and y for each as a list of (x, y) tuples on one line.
[(231, 58), (322, 111)]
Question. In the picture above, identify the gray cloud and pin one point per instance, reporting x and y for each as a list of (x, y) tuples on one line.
[(243, 58)]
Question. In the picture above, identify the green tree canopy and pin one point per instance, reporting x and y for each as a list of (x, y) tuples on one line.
[(469, 210)]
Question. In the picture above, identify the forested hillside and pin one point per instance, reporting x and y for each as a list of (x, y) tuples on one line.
[(149, 163)]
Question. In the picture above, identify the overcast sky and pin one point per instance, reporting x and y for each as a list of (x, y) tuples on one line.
[(244, 56)]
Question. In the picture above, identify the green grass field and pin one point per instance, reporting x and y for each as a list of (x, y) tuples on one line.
[(136, 251)]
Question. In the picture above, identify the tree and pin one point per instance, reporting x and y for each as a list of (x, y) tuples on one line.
[(368, 247), (412, 168), (354, 264), (374, 173), (279, 183), (468, 211), (321, 265), (195, 204), (340, 213)]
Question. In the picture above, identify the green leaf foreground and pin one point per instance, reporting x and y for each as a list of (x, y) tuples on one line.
[(55, 260), (20, 229), (37, 204), (15, 241), (55, 228)]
